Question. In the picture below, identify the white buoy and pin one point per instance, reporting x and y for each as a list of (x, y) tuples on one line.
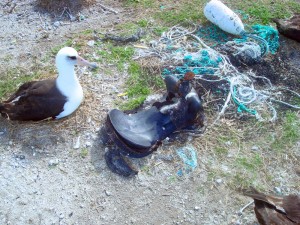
[(219, 14), (227, 20)]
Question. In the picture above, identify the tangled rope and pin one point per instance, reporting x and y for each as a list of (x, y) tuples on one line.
[(181, 50)]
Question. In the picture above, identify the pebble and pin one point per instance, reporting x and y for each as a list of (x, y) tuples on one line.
[(77, 144), (153, 43), (91, 43), (115, 89), (108, 193), (197, 208), (277, 190), (21, 157), (254, 148), (229, 155), (228, 143), (53, 162), (88, 144), (89, 120), (56, 24), (219, 181)]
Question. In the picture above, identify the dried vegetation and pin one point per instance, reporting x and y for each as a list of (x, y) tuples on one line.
[(60, 5)]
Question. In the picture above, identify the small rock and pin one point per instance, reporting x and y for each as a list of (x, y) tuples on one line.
[(277, 190), (108, 193), (115, 89), (72, 18), (228, 143), (219, 181), (254, 148), (197, 208), (88, 144), (77, 144), (89, 120), (56, 24), (53, 162), (229, 155), (21, 157), (44, 34), (91, 43), (153, 43)]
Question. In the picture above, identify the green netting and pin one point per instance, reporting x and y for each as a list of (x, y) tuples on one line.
[(214, 35), (200, 63), (268, 33)]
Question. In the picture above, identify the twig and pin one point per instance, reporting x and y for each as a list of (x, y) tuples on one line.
[(108, 9), (242, 209), (223, 109)]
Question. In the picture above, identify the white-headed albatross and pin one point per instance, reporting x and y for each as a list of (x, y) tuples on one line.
[(53, 98)]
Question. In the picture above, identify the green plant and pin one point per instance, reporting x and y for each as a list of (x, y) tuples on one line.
[(289, 134), (143, 3), (263, 11), (118, 55), (13, 78), (221, 151), (84, 152), (181, 12), (250, 163)]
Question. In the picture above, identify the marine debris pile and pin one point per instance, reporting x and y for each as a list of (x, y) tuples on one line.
[(181, 50)]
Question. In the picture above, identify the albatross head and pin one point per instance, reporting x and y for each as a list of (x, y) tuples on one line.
[(68, 57)]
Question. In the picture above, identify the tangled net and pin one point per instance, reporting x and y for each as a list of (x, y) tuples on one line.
[(181, 50)]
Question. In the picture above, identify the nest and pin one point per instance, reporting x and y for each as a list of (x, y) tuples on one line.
[(60, 5)]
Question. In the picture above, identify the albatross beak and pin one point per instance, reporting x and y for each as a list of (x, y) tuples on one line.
[(82, 62)]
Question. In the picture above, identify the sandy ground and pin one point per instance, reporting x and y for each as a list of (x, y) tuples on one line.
[(46, 179)]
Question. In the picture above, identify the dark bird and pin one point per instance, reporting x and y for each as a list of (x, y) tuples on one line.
[(274, 210), (52, 98), (289, 27)]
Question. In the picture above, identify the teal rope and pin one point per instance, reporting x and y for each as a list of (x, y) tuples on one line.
[(241, 106)]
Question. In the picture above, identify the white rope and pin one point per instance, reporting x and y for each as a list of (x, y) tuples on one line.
[(175, 46)]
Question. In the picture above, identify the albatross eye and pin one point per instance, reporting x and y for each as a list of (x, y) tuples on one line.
[(72, 57)]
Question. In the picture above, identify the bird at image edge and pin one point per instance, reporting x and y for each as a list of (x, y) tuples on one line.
[(51, 98), (275, 210)]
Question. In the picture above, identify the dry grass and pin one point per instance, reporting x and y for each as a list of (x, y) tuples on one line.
[(60, 5), (152, 65)]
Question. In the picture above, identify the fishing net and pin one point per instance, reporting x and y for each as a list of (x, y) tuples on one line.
[(181, 50)]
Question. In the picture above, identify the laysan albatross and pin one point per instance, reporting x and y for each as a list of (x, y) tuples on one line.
[(52, 98)]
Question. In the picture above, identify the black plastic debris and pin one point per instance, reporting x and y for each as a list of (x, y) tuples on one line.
[(138, 135)]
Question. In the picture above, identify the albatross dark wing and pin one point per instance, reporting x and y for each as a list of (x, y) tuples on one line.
[(273, 210), (36, 100)]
